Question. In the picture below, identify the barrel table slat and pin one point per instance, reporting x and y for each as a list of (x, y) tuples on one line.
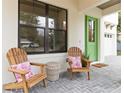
[(53, 70)]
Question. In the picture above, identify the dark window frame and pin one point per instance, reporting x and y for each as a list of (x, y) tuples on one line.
[(46, 45)]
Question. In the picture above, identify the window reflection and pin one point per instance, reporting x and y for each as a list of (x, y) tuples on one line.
[(41, 21), (91, 30), (32, 14), (57, 18), (55, 42), (32, 39), (51, 23)]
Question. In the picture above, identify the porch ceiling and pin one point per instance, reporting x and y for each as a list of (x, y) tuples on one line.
[(109, 4)]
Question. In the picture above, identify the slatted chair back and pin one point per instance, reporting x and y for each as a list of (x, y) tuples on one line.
[(16, 56), (74, 51)]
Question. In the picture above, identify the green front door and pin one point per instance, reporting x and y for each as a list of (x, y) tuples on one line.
[(91, 38)]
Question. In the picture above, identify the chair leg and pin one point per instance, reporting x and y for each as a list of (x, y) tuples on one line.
[(26, 89), (45, 82), (71, 75), (88, 75)]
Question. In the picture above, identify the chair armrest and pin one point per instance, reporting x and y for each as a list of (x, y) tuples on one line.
[(38, 64), (42, 66), (84, 59), (88, 62), (69, 62), (22, 72)]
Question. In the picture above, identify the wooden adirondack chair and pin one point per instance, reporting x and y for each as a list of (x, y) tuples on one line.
[(16, 56), (75, 51)]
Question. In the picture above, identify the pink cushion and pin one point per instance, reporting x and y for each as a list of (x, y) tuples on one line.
[(76, 61), (23, 66)]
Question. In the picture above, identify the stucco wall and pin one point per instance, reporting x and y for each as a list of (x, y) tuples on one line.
[(110, 44)]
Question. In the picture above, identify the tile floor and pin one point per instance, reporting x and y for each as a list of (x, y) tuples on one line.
[(103, 80)]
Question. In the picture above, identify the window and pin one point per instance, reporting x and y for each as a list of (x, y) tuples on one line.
[(42, 27), (108, 35), (105, 35)]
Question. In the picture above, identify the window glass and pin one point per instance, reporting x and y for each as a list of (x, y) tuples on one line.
[(105, 35), (51, 23), (57, 40), (108, 35), (91, 27), (32, 39), (32, 13), (58, 17)]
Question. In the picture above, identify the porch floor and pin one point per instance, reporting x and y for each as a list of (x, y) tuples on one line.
[(103, 80)]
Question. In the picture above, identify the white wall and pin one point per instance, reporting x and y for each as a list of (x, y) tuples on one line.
[(103, 45), (110, 44), (10, 26)]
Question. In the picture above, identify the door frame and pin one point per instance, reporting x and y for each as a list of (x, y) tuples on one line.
[(97, 36)]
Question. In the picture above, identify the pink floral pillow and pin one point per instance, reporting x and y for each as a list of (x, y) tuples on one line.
[(23, 66), (76, 61)]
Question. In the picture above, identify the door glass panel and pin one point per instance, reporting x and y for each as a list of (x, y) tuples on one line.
[(91, 30)]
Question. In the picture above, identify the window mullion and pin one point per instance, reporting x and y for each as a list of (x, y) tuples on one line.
[(46, 32)]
